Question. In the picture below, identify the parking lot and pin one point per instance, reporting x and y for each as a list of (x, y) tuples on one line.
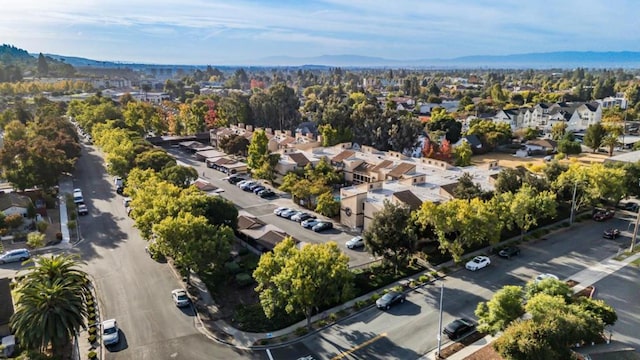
[(263, 209)]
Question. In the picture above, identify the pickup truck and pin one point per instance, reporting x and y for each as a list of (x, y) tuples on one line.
[(603, 215)]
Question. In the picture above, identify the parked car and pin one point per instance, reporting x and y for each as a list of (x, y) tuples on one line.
[(355, 242), (455, 329), (631, 206), (83, 209), (277, 211), (77, 196), (296, 215), (322, 226), (478, 263), (309, 223), (258, 188), (234, 179), (611, 233), (14, 255), (250, 187), (287, 213), (390, 298), (266, 193), (603, 215), (242, 183), (110, 332), (302, 216), (180, 297), (546, 276), (509, 251), (126, 202), (118, 182)]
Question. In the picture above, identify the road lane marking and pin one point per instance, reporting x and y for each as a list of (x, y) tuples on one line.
[(269, 354), (354, 349)]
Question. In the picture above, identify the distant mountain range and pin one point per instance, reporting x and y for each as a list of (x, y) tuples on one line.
[(561, 59)]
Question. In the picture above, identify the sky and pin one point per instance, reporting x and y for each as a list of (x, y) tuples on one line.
[(240, 32)]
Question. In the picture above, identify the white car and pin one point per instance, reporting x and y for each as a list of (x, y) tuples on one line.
[(277, 211), (477, 263), (355, 242), (117, 181), (77, 196), (110, 332), (14, 255), (546, 276), (180, 297), (83, 209)]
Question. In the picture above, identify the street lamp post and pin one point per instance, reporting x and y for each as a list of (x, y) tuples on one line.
[(635, 230), (440, 319)]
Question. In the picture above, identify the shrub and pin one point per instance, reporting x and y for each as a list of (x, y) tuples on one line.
[(243, 251), (42, 226), (93, 355), (91, 309), (243, 279), (333, 317), (232, 267), (92, 339), (375, 297), (360, 304), (92, 330), (322, 323), (35, 240), (302, 330), (445, 270), (263, 342), (71, 224), (424, 278), (13, 221), (433, 273)]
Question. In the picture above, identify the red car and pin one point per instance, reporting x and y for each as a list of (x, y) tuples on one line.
[(603, 215)]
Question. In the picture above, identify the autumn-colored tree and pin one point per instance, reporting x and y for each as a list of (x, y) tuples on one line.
[(211, 117)]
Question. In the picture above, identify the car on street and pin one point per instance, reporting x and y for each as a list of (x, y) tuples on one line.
[(280, 209), (287, 213), (603, 215), (322, 226), (546, 276), (110, 332), (509, 251), (478, 263), (302, 216), (309, 223), (611, 233), (83, 209), (14, 256), (458, 327), (355, 242), (266, 193), (180, 297), (389, 299)]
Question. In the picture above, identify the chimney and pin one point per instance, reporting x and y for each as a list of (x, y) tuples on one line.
[(268, 131), (249, 127)]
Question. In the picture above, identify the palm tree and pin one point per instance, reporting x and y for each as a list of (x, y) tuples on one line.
[(610, 141), (52, 304)]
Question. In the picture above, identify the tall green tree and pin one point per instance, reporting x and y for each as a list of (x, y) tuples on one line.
[(594, 136), (258, 150), (505, 306), (300, 281), (390, 235), (527, 207)]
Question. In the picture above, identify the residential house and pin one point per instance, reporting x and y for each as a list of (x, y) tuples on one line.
[(12, 203), (264, 237), (513, 117), (543, 146), (585, 115), (291, 160)]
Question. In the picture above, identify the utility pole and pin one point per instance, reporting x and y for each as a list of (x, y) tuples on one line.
[(440, 319), (573, 202)]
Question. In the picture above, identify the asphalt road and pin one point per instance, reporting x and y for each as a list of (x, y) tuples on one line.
[(410, 330), (263, 209), (131, 287)]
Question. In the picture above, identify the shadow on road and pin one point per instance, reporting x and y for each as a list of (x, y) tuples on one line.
[(365, 345), (121, 345)]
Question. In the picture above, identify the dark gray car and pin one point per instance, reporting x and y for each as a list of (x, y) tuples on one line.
[(389, 299)]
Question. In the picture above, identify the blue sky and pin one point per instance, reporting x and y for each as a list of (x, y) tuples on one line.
[(241, 31)]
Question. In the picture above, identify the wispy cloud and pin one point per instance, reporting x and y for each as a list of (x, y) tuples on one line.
[(240, 28)]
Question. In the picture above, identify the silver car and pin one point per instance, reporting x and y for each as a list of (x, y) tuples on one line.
[(14, 255)]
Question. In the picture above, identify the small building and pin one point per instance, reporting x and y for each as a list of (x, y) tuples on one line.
[(264, 237), (12, 203)]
